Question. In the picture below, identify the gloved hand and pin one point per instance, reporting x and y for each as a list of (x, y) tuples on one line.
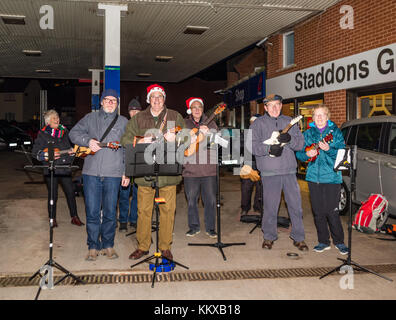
[(276, 150), (284, 138)]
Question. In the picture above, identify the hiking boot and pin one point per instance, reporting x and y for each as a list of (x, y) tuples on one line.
[(300, 245), (110, 253), (320, 247), (267, 244), (192, 233)]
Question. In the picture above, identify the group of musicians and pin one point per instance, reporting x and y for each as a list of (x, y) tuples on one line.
[(104, 176)]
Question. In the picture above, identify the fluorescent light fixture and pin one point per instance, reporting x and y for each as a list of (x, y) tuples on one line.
[(13, 144), (26, 142), (32, 53), (195, 30), (144, 74), (13, 19), (43, 71), (163, 58)]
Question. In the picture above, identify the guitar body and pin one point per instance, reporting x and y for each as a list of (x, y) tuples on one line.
[(315, 146), (194, 146), (82, 152)]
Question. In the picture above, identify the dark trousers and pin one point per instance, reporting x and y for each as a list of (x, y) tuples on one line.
[(206, 187), (67, 185), (247, 187), (324, 201)]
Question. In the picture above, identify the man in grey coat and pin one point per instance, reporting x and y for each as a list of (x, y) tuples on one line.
[(277, 165), (102, 173)]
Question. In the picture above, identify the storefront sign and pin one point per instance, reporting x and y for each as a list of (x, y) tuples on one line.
[(249, 90), (364, 69)]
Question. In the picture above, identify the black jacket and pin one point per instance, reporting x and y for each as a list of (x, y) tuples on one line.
[(42, 142)]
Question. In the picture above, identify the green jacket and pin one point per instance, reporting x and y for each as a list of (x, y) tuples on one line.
[(138, 125), (322, 169)]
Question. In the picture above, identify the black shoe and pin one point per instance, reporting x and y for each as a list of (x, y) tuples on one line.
[(133, 224), (123, 227)]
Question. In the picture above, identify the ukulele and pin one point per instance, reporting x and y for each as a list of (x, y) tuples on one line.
[(274, 137), (193, 148), (315, 146), (138, 139), (82, 152)]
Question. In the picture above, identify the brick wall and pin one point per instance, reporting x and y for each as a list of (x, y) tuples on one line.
[(336, 102), (321, 39)]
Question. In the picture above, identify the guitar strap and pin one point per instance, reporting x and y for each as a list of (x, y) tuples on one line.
[(109, 128)]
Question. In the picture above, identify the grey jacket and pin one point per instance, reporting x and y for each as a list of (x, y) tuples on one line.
[(262, 129), (106, 162)]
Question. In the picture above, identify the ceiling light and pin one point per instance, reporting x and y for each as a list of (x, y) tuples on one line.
[(195, 29), (43, 71), (12, 19), (144, 75), (163, 58), (32, 53)]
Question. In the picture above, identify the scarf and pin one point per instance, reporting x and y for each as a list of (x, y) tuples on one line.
[(56, 133)]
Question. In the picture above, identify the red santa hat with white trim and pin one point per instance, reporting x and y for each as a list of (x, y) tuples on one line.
[(154, 88), (190, 101)]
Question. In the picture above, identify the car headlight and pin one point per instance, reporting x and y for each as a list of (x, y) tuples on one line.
[(13, 144), (26, 142)]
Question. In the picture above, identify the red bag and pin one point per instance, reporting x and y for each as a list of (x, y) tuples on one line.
[(372, 214)]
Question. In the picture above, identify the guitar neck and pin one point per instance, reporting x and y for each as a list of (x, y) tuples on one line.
[(287, 128)]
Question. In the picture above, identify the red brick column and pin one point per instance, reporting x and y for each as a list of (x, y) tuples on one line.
[(336, 102)]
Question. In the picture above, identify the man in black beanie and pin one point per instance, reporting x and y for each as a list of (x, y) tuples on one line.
[(128, 211)]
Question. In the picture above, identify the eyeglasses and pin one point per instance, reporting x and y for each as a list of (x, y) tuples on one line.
[(110, 100), (157, 97)]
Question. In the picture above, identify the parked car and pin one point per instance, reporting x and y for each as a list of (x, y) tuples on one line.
[(375, 139), (12, 137)]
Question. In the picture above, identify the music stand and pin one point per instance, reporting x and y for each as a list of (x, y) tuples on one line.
[(47, 268), (154, 165), (219, 245), (346, 161)]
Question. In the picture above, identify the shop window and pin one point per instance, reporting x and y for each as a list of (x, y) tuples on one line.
[(375, 105), (305, 109), (288, 49)]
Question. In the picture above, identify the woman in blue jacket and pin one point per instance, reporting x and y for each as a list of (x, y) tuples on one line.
[(325, 139)]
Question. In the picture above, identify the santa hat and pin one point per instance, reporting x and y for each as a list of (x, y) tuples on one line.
[(154, 88), (190, 101)]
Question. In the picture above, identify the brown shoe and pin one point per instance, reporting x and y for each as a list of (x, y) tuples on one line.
[(76, 220), (110, 253), (92, 255), (137, 254), (54, 224), (300, 245), (167, 254), (267, 244)]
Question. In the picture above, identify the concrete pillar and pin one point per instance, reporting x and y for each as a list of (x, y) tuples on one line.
[(95, 102), (112, 44)]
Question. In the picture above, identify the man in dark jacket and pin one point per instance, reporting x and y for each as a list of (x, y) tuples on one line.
[(199, 171), (155, 119), (103, 172), (277, 165)]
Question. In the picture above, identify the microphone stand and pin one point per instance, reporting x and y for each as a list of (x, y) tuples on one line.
[(46, 271), (351, 166)]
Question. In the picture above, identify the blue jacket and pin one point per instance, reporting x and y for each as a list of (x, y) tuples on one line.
[(322, 169)]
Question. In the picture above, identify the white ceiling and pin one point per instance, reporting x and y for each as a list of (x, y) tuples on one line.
[(148, 29)]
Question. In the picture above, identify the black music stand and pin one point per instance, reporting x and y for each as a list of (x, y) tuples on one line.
[(159, 161), (46, 269), (219, 245), (347, 162)]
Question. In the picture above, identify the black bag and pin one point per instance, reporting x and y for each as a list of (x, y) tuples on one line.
[(255, 218)]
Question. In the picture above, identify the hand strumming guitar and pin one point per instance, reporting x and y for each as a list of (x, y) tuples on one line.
[(94, 145)]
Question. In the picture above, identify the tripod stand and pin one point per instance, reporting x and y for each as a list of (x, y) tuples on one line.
[(219, 245), (46, 271), (350, 165), (141, 163), (157, 266)]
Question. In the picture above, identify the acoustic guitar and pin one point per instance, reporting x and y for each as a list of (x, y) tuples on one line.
[(82, 152), (315, 146), (193, 148)]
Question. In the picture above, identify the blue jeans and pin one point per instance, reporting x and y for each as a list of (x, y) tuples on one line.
[(128, 211), (101, 193), (206, 187)]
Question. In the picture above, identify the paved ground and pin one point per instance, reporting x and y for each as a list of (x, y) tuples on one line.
[(24, 238)]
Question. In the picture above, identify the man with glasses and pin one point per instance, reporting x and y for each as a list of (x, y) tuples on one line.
[(156, 118), (277, 164), (103, 172)]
